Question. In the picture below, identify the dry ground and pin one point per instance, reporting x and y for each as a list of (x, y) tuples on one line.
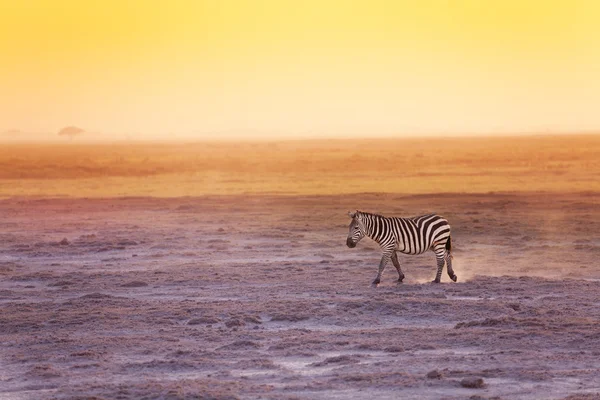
[(256, 296), (215, 270)]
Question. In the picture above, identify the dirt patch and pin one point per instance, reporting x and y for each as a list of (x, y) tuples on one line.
[(227, 297)]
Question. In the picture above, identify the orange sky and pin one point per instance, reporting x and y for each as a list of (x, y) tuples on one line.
[(289, 68)]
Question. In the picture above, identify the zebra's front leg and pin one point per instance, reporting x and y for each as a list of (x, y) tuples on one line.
[(397, 265), (384, 260)]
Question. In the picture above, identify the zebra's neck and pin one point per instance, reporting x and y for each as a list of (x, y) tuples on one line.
[(374, 226)]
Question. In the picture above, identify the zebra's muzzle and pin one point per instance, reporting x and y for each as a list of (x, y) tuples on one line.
[(350, 243)]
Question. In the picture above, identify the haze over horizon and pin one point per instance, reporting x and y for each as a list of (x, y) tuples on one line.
[(284, 69)]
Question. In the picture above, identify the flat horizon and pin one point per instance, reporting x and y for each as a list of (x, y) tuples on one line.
[(97, 137)]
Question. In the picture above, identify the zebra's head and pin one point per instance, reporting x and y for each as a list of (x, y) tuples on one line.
[(356, 230)]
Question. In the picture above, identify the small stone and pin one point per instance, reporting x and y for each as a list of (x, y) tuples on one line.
[(203, 320), (253, 319), (64, 242), (135, 284), (472, 383), (234, 323), (394, 349), (435, 374)]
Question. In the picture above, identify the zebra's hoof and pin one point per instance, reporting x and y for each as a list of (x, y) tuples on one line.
[(454, 278), (375, 282), (435, 281), (400, 279)]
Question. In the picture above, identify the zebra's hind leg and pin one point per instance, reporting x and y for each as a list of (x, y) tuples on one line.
[(397, 265), (440, 256), (451, 273)]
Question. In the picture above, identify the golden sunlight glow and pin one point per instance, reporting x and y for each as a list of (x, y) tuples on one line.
[(284, 68)]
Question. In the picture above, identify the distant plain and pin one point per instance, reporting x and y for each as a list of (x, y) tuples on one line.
[(410, 166)]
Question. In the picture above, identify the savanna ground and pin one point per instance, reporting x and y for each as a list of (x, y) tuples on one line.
[(221, 271)]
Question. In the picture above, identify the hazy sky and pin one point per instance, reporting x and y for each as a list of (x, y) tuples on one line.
[(289, 67)]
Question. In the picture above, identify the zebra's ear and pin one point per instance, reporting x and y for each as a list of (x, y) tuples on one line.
[(352, 214)]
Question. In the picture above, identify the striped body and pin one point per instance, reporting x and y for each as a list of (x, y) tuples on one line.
[(413, 235)]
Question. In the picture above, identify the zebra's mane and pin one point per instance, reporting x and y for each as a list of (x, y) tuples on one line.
[(371, 214), (383, 216)]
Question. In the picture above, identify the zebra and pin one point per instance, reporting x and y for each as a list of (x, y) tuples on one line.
[(413, 235)]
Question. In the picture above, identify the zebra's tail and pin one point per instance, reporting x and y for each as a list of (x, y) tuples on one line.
[(449, 246)]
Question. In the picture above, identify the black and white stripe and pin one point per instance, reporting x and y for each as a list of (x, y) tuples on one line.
[(413, 235)]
